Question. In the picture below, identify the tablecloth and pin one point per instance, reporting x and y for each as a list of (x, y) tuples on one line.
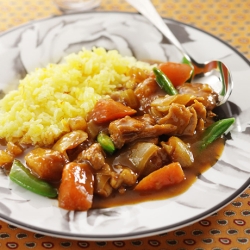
[(228, 228)]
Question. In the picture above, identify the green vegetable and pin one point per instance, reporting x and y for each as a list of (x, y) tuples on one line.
[(106, 143), (164, 82), (23, 177), (215, 131)]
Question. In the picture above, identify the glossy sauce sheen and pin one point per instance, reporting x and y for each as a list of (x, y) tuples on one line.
[(203, 161)]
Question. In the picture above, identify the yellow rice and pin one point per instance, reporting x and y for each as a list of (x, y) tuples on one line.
[(39, 110)]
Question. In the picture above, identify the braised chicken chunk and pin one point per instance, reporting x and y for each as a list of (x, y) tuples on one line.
[(129, 129), (209, 96)]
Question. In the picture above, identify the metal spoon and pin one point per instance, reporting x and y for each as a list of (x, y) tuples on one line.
[(217, 69)]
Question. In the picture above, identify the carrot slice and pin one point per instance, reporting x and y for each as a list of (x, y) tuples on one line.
[(178, 73), (76, 189), (107, 110), (165, 176)]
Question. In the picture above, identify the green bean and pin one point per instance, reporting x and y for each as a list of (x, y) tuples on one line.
[(23, 177), (106, 143), (164, 82), (216, 130)]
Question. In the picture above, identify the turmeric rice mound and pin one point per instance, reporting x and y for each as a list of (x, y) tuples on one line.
[(38, 112)]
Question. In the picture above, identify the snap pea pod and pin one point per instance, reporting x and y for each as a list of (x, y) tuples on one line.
[(23, 177), (164, 82), (215, 130), (106, 143)]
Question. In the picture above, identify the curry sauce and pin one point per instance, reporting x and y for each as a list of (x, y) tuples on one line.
[(203, 161)]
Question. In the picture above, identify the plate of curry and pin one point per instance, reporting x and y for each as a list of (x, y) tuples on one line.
[(154, 153)]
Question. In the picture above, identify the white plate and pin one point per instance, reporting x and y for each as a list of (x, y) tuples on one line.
[(35, 44)]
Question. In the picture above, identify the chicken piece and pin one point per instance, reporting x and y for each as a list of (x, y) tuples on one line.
[(69, 141), (147, 88), (178, 116), (77, 186), (94, 155), (200, 125), (200, 110), (102, 181), (178, 151), (123, 177), (191, 127), (184, 118), (201, 115), (107, 179), (47, 164), (210, 97), (146, 92), (129, 129), (183, 110), (102, 185)]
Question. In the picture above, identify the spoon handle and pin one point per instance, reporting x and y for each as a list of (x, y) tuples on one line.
[(147, 9)]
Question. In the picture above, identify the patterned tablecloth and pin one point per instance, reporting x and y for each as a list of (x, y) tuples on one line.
[(229, 228)]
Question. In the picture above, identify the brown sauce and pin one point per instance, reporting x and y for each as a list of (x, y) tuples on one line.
[(203, 161)]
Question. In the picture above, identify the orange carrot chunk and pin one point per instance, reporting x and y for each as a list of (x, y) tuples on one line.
[(165, 176), (107, 110), (178, 73), (76, 189)]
